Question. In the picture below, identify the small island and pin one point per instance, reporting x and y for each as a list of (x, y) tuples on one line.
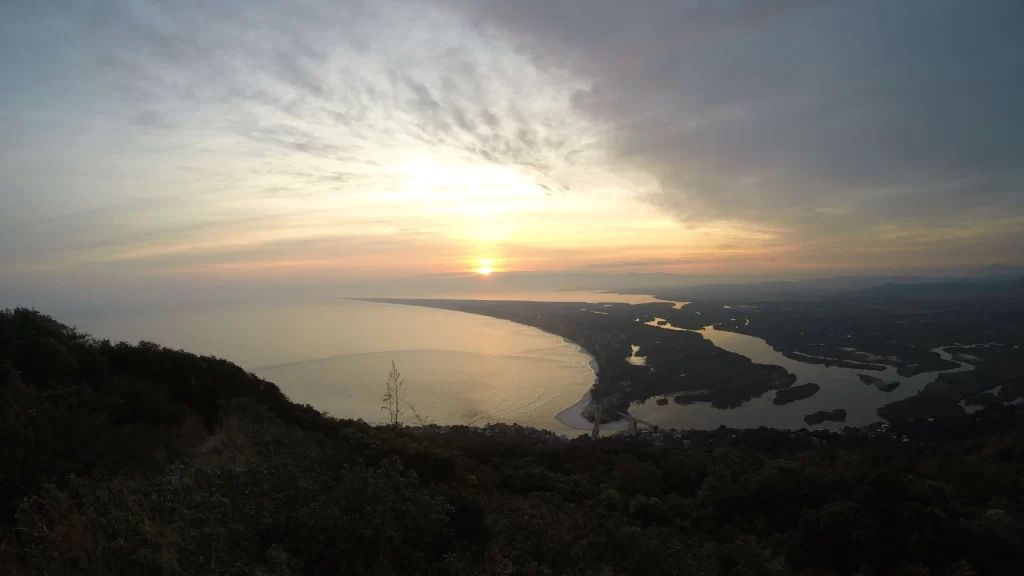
[(691, 397), (828, 362), (794, 393), (838, 415), (984, 400), (879, 383)]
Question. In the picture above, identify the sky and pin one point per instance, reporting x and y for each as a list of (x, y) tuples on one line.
[(148, 143)]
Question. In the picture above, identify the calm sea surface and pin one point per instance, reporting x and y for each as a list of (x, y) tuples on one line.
[(335, 355)]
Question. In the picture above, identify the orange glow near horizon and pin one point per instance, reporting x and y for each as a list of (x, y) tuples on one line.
[(486, 267)]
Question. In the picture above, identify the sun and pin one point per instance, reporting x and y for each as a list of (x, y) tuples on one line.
[(486, 268)]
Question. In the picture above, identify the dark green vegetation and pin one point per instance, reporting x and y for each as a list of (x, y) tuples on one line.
[(847, 334), (878, 383), (868, 329), (829, 361), (121, 459), (895, 325), (794, 393), (999, 376), (837, 415)]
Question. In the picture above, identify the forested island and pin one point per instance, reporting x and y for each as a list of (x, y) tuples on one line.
[(794, 393), (138, 459), (837, 415)]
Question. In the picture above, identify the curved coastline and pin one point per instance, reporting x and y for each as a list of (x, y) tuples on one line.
[(573, 415)]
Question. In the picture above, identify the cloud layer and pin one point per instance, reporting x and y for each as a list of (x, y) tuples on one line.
[(189, 138), (798, 112)]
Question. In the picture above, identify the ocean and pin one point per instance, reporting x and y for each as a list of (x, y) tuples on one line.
[(335, 354)]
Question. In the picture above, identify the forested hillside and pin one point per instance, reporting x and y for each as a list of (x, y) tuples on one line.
[(137, 459)]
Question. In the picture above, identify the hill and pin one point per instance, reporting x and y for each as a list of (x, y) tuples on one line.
[(138, 459), (1003, 288), (786, 289)]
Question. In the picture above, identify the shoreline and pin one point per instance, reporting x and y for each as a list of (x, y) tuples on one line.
[(572, 416)]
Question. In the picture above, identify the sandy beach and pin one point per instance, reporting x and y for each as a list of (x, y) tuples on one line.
[(573, 415)]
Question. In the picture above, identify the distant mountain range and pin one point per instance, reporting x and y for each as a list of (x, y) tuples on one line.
[(999, 271), (792, 289), (999, 287), (996, 280)]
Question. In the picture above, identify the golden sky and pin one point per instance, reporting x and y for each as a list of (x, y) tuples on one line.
[(326, 142)]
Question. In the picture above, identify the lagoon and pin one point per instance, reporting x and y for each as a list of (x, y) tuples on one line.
[(840, 388)]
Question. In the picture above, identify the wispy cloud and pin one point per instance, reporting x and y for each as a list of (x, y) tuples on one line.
[(805, 114), (626, 136)]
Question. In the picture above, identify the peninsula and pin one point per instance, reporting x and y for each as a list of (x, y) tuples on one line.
[(677, 361)]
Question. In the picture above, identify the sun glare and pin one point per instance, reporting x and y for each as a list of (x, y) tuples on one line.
[(486, 267)]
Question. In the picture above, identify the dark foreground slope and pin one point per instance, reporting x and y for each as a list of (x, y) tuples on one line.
[(120, 459)]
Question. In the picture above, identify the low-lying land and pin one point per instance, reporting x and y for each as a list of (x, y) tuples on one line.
[(830, 361), (872, 327), (892, 325), (137, 459), (999, 370), (878, 383), (794, 393), (837, 415)]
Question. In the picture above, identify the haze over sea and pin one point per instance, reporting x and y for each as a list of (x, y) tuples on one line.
[(335, 354)]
